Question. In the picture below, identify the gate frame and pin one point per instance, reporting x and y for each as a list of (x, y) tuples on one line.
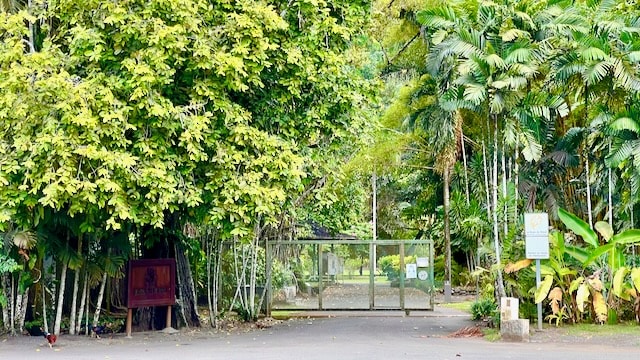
[(372, 263)]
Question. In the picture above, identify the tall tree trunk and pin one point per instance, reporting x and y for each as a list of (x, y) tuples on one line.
[(23, 302), (447, 227), (188, 301), (45, 322), (466, 170), (505, 209), (516, 180), (588, 180), (74, 295), (496, 236), (6, 287), (214, 258), (485, 168), (83, 299), (208, 243), (96, 314), (253, 273), (610, 192), (63, 282)]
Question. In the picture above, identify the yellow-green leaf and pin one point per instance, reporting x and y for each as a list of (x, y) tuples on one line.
[(582, 296), (574, 284), (543, 289), (635, 277), (618, 283)]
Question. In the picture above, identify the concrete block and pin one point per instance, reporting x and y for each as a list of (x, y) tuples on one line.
[(515, 330), (509, 308)]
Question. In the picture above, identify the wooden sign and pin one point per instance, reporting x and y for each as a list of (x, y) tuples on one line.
[(151, 282)]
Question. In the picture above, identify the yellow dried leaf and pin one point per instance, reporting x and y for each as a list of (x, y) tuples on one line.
[(600, 307), (518, 265), (582, 296), (595, 283), (555, 297)]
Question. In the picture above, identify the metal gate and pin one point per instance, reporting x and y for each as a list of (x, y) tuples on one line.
[(350, 275)]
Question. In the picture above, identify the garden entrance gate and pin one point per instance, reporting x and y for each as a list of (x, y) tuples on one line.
[(341, 274)]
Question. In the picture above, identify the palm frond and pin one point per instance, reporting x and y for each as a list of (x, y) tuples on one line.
[(622, 152), (625, 76), (531, 149), (439, 17), (593, 54), (596, 73), (624, 123)]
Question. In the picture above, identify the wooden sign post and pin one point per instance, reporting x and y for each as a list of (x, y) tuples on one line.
[(151, 282)]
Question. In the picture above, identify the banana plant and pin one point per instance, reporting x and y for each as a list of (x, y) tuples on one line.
[(612, 245), (608, 251), (555, 270)]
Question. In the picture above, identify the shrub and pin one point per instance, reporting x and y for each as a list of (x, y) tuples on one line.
[(483, 309)]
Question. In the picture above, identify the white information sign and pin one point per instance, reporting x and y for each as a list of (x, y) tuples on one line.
[(423, 261), (536, 231), (412, 271), (423, 275)]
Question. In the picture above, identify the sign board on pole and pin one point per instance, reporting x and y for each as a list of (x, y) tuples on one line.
[(536, 231), (151, 282)]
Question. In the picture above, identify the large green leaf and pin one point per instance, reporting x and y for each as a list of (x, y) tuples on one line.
[(599, 251), (631, 236), (543, 289), (577, 253), (578, 226)]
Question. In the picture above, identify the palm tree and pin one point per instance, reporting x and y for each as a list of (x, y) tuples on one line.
[(500, 58)]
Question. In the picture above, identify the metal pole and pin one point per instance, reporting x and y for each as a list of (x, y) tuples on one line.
[(538, 286)]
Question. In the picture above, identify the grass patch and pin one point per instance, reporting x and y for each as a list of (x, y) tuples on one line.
[(491, 334), (463, 306), (618, 329), (284, 314)]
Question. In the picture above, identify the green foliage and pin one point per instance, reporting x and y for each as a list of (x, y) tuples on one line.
[(483, 309), (390, 266)]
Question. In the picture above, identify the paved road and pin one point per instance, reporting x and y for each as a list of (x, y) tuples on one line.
[(366, 336)]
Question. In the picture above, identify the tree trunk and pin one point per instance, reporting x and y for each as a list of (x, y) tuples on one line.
[(186, 291), (63, 281), (516, 180), (83, 299), (588, 180), (74, 295), (23, 302), (464, 163), (610, 192), (45, 322), (505, 210), (208, 243), (6, 286), (496, 237), (213, 275), (96, 314), (12, 320), (486, 180), (447, 226)]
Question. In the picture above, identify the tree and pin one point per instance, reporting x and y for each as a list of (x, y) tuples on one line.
[(166, 113)]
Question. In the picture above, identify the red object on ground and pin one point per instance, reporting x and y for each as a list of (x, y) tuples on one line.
[(51, 338)]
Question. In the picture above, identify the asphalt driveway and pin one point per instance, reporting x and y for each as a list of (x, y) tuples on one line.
[(357, 335)]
